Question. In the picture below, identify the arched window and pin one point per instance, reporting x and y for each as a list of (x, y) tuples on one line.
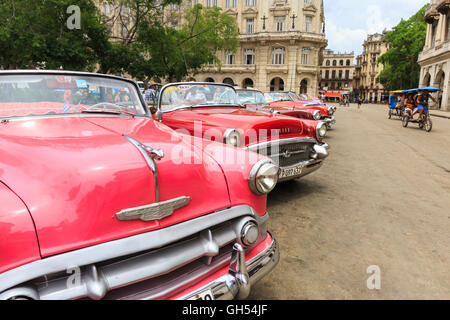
[(334, 63), (228, 81), (209, 79), (277, 84), (304, 86), (247, 83), (348, 62), (328, 63)]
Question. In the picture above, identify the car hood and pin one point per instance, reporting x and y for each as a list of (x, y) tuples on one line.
[(301, 106), (78, 172), (225, 118)]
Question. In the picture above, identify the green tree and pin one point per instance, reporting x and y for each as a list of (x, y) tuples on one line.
[(124, 54), (35, 34), (406, 41), (177, 52)]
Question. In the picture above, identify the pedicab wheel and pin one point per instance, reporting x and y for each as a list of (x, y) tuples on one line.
[(405, 121), (389, 114), (428, 125)]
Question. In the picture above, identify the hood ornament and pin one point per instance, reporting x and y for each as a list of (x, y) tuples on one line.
[(154, 211)]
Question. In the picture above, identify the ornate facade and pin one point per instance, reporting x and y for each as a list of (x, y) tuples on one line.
[(281, 44), (434, 60), (337, 72), (368, 69)]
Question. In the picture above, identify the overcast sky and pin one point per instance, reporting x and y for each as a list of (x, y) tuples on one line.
[(348, 22)]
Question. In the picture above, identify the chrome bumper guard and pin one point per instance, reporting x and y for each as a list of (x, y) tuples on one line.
[(320, 153), (241, 275), (329, 121)]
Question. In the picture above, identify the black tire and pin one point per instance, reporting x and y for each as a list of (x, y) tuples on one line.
[(428, 124), (405, 121)]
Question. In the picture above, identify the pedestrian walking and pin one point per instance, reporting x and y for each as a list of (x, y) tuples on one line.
[(359, 102), (150, 94)]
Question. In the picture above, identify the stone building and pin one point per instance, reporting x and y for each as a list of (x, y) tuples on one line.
[(434, 60), (368, 69), (281, 44), (336, 72)]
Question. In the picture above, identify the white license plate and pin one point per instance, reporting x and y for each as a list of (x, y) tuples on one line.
[(291, 172), (203, 295)]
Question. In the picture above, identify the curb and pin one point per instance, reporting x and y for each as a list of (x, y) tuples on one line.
[(440, 116)]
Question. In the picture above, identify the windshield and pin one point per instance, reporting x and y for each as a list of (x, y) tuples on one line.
[(41, 94), (277, 96), (192, 95), (247, 97)]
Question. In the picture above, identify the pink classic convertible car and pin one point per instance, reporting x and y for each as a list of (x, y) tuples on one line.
[(96, 204), (212, 111)]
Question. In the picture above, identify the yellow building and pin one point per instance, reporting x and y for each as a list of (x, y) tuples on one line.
[(281, 44), (435, 57), (368, 69), (337, 71)]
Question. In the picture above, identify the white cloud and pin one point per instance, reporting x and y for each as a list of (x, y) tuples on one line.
[(350, 21)]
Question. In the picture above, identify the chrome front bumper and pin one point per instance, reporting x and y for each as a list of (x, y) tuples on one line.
[(329, 121), (242, 274)]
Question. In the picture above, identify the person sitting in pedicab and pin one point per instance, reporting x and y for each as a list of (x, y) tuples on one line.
[(400, 102), (422, 103), (409, 104)]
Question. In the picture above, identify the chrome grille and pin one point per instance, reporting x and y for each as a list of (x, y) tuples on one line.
[(286, 155)]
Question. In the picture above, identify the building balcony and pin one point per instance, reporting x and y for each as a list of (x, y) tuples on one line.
[(282, 36), (438, 49), (232, 68), (277, 68)]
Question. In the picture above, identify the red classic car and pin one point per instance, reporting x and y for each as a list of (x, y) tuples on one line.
[(290, 100), (97, 203), (212, 111), (254, 99)]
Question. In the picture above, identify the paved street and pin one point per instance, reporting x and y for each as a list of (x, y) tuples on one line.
[(382, 198)]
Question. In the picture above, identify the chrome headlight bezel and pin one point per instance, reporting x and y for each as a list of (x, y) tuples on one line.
[(232, 137), (263, 177), (321, 131), (331, 110), (317, 115)]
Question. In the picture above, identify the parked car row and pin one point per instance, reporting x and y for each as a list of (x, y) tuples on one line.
[(105, 198)]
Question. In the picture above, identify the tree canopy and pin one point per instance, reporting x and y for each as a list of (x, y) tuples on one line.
[(177, 52), (35, 34), (406, 41), (153, 41)]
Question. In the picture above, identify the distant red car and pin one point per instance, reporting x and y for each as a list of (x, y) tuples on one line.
[(96, 202), (290, 100), (255, 100), (212, 111)]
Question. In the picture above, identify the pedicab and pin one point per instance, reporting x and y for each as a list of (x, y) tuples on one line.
[(393, 109), (424, 122)]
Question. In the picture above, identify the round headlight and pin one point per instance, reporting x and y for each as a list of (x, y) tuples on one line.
[(232, 137), (249, 233), (263, 177), (321, 131), (331, 111), (317, 115)]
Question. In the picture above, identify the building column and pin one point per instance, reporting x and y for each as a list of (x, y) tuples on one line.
[(428, 37), (292, 68), (445, 90), (261, 73)]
